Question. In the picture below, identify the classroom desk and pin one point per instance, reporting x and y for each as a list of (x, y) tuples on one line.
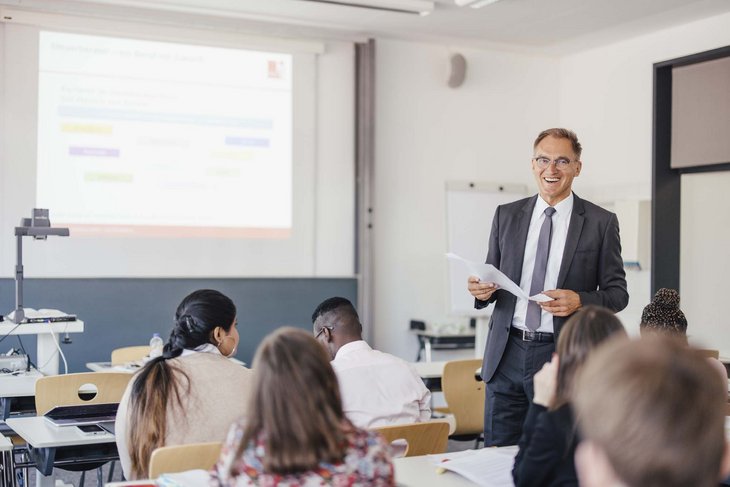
[(420, 471), (60, 445), (46, 350), (428, 340), (409, 472), (132, 367), (432, 372), (17, 395)]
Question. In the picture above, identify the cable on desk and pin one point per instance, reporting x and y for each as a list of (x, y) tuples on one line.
[(58, 347), (31, 364), (10, 332)]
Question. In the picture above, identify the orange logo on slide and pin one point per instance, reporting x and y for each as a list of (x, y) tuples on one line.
[(276, 69)]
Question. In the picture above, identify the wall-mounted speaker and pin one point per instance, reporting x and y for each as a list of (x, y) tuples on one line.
[(457, 70)]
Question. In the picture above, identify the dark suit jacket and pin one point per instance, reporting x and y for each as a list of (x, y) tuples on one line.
[(547, 448), (591, 266)]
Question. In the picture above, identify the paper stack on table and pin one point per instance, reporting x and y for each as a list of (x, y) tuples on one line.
[(488, 467), (489, 273)]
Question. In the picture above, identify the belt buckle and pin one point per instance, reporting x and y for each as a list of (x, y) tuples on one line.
[(529, 336)]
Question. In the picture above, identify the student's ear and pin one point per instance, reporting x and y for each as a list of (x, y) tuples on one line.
[(725, 465), (328, 334), (217, 334)]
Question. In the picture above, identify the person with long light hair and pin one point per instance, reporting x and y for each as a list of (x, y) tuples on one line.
[(296, 432)]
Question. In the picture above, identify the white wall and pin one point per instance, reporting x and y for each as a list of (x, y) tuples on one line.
[(606, 97), (705, 260), (427, 134)]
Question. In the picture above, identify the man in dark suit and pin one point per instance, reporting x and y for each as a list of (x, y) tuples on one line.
[(555, 243)]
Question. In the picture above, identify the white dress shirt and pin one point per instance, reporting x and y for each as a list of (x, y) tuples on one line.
[(561, 220), (379, 389)]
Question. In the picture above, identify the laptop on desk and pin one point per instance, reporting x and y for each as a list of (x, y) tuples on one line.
[(82, 414)]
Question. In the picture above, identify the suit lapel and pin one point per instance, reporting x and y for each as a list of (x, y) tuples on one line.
[(522, 225), (571, 242)]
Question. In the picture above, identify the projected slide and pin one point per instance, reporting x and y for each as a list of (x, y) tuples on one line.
[(163, 139)]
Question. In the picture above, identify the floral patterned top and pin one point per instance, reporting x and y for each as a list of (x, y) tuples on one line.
[(367, 461)]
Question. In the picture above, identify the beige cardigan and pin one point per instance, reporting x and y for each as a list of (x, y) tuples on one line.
[(219, 393)]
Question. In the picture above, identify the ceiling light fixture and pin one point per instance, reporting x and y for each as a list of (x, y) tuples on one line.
[(420, 7), (474, 3)]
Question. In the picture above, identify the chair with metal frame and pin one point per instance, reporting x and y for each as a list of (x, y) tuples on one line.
[(464, 394), (125, 355), (78, 389), (422, 438)]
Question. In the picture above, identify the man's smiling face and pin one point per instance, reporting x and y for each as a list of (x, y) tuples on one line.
[(555, 183)]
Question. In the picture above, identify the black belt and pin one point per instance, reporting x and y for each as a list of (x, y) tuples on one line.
[(531, 336)]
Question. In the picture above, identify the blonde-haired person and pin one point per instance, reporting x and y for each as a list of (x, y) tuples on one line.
[(192, 393), (548, 440), (651, 413), (296, 433), (663, 316)]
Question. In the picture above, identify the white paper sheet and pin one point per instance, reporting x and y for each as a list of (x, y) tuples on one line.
[(189, 478), (489, 273), (488, 467)]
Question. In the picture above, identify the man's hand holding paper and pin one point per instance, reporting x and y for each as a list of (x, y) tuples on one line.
[(564, 302), (490, 279)]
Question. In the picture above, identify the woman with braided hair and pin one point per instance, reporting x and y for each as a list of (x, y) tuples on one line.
[(190, 394), (663, 316)]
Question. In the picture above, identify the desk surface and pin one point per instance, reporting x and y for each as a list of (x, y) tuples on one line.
[(420, 471), (429, 370), (19, 385), (10, 328), (132, 367), (39, 433), (409, 472), (469, 334)]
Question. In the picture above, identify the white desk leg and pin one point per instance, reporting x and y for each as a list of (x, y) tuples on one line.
[(43, 481), (47, 357), (481, 334), (427, 347)]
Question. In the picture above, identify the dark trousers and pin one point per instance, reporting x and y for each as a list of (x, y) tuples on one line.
[(510, 390)]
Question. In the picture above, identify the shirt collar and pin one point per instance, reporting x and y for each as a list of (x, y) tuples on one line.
[(204, 348), (352, 347), (564, 207)]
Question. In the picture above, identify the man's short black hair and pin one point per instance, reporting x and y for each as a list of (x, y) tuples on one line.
[(332, 304)]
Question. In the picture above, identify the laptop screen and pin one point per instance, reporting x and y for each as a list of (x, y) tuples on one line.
[(82, 414)]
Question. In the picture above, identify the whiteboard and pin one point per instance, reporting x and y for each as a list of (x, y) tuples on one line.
[(470, 208)]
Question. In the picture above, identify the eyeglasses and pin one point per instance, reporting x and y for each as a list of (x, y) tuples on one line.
[(560, 162), (330, 328)]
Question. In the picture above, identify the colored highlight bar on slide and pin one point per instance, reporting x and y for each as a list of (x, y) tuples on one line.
[(86, 128), (93, 151)]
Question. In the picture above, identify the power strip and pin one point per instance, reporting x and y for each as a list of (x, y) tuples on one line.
[(13, 362)]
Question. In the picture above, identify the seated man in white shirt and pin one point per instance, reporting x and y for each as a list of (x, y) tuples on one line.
[(378, 389)]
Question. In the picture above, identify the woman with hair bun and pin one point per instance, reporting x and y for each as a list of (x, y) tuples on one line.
[(192, 392)]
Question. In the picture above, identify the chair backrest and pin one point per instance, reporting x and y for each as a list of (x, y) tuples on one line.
[(464, 395), (124, 355), (178, 458), (67, 390), (422, 438), (709, 353)]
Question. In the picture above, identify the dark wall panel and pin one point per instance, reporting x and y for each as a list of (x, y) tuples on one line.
[(122, 312)]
